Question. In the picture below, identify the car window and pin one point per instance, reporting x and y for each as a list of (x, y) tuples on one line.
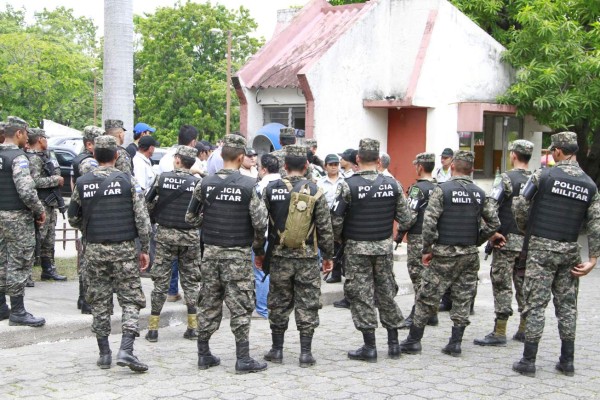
[(64, 158)]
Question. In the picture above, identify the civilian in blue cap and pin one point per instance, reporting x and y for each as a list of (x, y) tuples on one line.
[(139, 130)]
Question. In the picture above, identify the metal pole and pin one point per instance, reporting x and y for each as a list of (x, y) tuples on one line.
[(227, 123), (95, 106)]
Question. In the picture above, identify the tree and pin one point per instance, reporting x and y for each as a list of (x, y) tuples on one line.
[(46, 72), (180, 69)]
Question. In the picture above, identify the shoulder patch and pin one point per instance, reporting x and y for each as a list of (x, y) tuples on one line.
[(414, 192), (23, 164)]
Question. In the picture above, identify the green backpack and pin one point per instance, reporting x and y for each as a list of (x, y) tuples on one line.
[(299, 222)]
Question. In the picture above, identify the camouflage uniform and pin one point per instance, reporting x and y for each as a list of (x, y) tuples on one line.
[(123, 163), (114, 266), (295, 278), (37, 161), (280, 154), (549, 264), (369, 266), (452, 265), (171, 244), (17, 233)]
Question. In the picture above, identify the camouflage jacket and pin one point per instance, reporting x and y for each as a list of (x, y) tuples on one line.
[(322, 223), (280, 154), (123, 163), (88, 165), (378, 247), (591, 224), (258, 216), (489, 224), (24, 182), (174, 236), (142, 219), (415, 195), (514, 242), (37, 161)]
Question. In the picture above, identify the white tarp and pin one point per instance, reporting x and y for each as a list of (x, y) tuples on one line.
[(54, 129)]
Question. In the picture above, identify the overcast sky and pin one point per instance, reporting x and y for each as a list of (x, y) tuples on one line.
[(264, 12)]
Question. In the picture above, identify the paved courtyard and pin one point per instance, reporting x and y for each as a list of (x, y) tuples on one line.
[(61, 363)]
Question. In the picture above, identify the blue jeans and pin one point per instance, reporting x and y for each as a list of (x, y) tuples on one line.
[(174, 285), (262, 290)]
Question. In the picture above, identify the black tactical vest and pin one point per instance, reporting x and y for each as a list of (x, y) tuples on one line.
[(507, 219), (227, 220), (279, 203), (426, 188), (47, 171), (175, 191), (77, 162), (459, 223), (9, 197), (371, 218), (560, 205), (112, 219)]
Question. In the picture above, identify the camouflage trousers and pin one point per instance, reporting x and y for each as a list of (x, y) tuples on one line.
[(458, 272), (48, 233), (189, 274), (367, 277), (295, 284), (502, 274), (113, 268), (546, 273), (17, 245), (229, 280), (413, 261)]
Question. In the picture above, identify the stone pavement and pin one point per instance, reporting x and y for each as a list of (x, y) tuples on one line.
[(66, 368)]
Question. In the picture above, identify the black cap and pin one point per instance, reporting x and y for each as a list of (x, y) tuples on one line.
[(332, 158), (447, 152), (349, 155), (147, 141), (250, 152)]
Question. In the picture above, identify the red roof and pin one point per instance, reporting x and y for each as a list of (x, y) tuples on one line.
[(307, 37)]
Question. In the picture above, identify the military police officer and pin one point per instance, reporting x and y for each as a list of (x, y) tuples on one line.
[(168, 200), (108, 207), (457, 217), (233, 217), (287, 136), (553, 264), (45, 172), (19, 207), (114, 128), (82, 164), (508, 243), (363, 215), (295, 279), (418, 198)]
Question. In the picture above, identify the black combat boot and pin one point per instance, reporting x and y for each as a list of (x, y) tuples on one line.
[(393, 345), (81, 303), (105, 359), (125, 356), (275, 355), (343, 303), (408, 320), (368, 352), (433, 320), (205, 357), (49, 271), (453, 346), (153, 322), (526, 366), (306, 357), (497, 337), (18, 315), (245, 363), (446, 301), (412, 344), (565, 362), (4, 309)]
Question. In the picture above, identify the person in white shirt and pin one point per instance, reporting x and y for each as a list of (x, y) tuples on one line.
[(142, 166), (248, 167), (442, 174), (348, 163), (187, 137), (384, 164), (332, 178)]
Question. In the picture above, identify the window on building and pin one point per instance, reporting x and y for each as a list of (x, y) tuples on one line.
[(294, 116)]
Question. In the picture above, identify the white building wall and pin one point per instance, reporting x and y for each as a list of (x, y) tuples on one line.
[(268, 97), (343, 77)]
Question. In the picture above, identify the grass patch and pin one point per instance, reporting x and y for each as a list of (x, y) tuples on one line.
[(64, 266)]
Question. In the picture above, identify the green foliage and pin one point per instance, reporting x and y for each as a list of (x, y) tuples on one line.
[(46, 68), (342, 2), (180, 68)]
